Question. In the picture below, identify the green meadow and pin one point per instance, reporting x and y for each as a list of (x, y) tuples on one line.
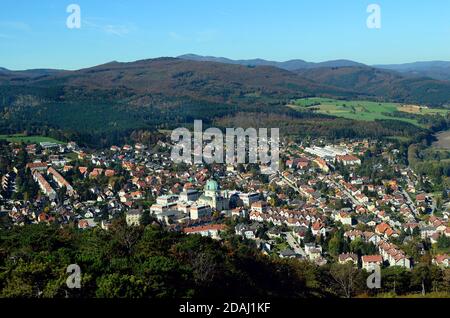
[(365, 110), (20, 138)]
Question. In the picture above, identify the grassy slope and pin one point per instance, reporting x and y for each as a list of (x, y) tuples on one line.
[(28, 139), (359, 110)]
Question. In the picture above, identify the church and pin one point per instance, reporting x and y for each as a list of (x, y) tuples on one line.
[(213, 197)]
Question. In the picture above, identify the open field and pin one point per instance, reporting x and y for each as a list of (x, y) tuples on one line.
[(421, 110), (20, 138), (443, 141), (365, 110)]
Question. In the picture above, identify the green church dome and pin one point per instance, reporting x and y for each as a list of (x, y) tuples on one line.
[(211, 185)]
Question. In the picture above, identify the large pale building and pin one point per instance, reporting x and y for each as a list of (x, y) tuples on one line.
[(165, 211), (167, 199), (199, 211), (59, 179), (189, 195), (249, 198), (46, 188)]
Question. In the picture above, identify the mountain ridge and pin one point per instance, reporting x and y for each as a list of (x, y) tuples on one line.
[(439, 70), (223, 82), (289, 65)]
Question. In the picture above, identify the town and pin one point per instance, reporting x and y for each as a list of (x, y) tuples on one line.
[(348, 202)]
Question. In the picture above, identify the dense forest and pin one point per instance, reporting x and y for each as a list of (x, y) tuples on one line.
[(100, 124)]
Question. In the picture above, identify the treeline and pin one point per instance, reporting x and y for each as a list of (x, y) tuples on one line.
[(105, 125), (430, 162), (102, 117), (427, 162), (307, 124)]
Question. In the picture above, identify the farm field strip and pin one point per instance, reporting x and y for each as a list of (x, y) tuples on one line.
[(365, 110), (28, 139)]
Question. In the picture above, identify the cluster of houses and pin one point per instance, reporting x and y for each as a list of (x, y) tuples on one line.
[(39, 170), (194, 202)]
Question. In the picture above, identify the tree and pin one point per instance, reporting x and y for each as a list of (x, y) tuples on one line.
[(437, 278), (146, 218), (421, 278), (120, 286), (334, 245), (396, 279), (443, 242), (345, 276), (438, 203), (416, 232), (125, 237), (358, 246), (309, 237), (60, 195)]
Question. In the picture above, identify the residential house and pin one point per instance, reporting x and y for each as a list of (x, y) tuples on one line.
[(211, 230), (370, 262), (133, 217), (442, 260), (348, 258)]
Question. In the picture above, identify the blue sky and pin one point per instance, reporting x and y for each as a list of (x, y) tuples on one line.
[(33, 34)]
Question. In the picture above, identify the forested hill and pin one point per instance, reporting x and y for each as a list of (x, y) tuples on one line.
[(102, 104), (215, 82), (385, 84), (221, 82)]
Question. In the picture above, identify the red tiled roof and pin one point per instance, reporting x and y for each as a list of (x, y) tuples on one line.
[(372, 259), (441, 258), (211, 227), (347, 158)]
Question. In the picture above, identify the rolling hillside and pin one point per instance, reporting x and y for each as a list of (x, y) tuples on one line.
[(106, 102), (215, 82), (439, 70), (386, 85)]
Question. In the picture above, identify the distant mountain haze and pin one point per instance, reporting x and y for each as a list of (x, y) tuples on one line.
[(435, 69), (290, 65)]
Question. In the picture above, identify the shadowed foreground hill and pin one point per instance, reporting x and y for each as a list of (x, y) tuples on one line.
[(142, 263), (149, 262)]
